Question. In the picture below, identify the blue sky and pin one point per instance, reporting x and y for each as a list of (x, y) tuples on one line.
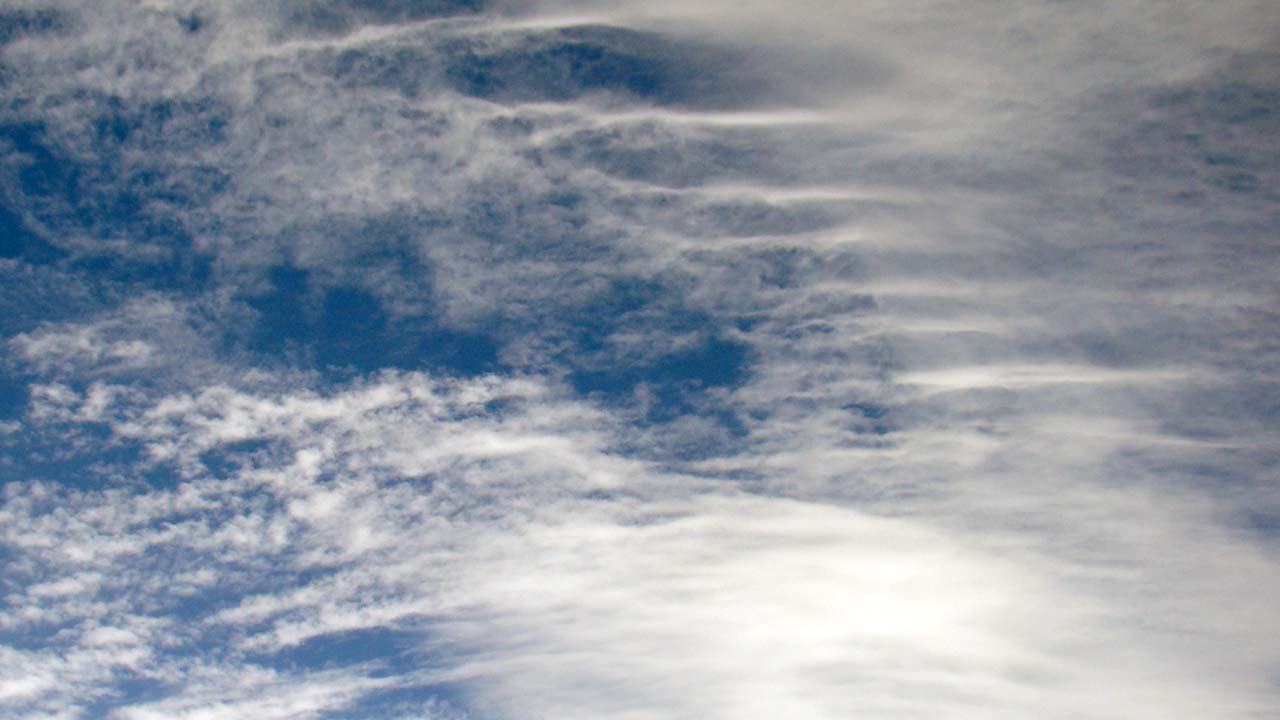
[(499, 360)]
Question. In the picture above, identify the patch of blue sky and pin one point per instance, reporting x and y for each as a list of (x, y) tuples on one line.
[(23, 22), (597, 344), (558, 65), (569, 63), (13, 397), (126, 690), (392, 650), (18, 242), (345, 333), (85, 458), (710, 362), (86, 199), (231, 458)]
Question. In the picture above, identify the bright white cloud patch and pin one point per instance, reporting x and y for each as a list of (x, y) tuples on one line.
[(380, 359)]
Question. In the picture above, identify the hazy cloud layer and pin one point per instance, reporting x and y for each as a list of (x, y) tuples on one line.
[(615, 360)]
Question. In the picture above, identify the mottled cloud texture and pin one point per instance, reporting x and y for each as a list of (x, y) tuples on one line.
[(457, 359)]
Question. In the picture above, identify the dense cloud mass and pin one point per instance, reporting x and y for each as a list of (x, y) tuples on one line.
[(458, 359)]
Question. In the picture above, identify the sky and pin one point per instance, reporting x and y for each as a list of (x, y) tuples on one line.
[(524, 359)]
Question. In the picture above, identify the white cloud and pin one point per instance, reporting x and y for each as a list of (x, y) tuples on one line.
[(1006, 417), (669, 594), (253, 693)]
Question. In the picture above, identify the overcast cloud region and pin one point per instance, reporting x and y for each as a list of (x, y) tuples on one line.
[(521, 359)]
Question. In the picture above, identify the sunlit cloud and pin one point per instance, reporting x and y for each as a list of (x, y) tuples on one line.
[(470, 359)]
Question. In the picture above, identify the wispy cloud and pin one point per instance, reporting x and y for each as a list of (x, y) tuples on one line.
[(595, 359)]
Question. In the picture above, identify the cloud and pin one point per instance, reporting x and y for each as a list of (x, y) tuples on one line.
[(543, 572), (607, 360), (255, 694)]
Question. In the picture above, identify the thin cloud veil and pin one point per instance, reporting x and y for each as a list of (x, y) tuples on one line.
[(487, 360)]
